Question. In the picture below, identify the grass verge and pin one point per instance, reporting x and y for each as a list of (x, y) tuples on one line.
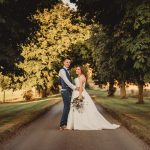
[(136, 117), (16, 115)]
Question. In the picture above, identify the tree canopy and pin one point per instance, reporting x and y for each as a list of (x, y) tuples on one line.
[(120, 43), (43, 54), (15, 27), (112, 36)]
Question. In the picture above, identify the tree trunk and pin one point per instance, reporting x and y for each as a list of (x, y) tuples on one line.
[(44, 93), (111, 89), (122, 90), (140, 94), (4, 97), (100, 86), (55, 89), (38, 92)]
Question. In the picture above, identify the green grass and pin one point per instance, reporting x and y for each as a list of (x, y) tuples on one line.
[(136, 117), (15, 115)]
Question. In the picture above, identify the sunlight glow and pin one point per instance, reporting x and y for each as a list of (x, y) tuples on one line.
[(71, 5)]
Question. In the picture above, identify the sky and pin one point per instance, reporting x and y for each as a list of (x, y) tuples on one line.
[(71, 5)]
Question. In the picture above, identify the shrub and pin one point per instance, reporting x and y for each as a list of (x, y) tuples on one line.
[(28, 95)]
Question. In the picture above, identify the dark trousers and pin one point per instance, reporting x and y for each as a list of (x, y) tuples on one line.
[(66, 95)]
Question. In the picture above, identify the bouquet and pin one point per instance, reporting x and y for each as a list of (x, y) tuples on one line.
[(78, 104)]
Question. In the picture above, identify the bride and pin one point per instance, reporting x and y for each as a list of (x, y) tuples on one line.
[(89, 118)]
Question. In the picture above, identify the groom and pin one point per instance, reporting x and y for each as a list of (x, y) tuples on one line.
[(66, 91)]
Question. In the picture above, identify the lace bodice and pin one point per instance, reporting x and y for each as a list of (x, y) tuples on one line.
[(77, 82)]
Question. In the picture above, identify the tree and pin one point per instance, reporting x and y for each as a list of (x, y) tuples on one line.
[(15, 27), (43, 54), (79, 53), (5, 83), (134, 39), (128, 26), (104, 60)]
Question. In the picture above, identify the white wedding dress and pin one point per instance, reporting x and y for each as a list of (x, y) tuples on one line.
[(89, 118)]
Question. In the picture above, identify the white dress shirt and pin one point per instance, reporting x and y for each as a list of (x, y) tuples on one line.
[(63, 75)]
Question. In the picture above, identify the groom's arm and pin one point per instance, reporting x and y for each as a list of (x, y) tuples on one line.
[(62, 74)]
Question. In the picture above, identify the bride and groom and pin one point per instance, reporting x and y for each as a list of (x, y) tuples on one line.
[(73, 119)]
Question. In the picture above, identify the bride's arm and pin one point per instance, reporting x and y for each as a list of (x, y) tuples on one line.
[(81, 80)]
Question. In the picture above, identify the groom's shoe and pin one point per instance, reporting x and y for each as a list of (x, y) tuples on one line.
[(62, 127)]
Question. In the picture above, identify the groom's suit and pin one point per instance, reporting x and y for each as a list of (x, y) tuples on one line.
[(66, 93)]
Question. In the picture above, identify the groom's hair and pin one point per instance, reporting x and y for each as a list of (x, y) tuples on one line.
[(66, 58)]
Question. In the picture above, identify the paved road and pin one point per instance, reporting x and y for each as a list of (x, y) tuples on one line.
[(42, 134)]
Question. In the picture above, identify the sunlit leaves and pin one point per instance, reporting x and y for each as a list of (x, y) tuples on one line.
[(43, 54)]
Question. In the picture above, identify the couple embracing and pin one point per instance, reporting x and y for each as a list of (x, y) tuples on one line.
[(73, 119)]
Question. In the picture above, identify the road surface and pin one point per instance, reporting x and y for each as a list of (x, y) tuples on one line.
[(43, 134)]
